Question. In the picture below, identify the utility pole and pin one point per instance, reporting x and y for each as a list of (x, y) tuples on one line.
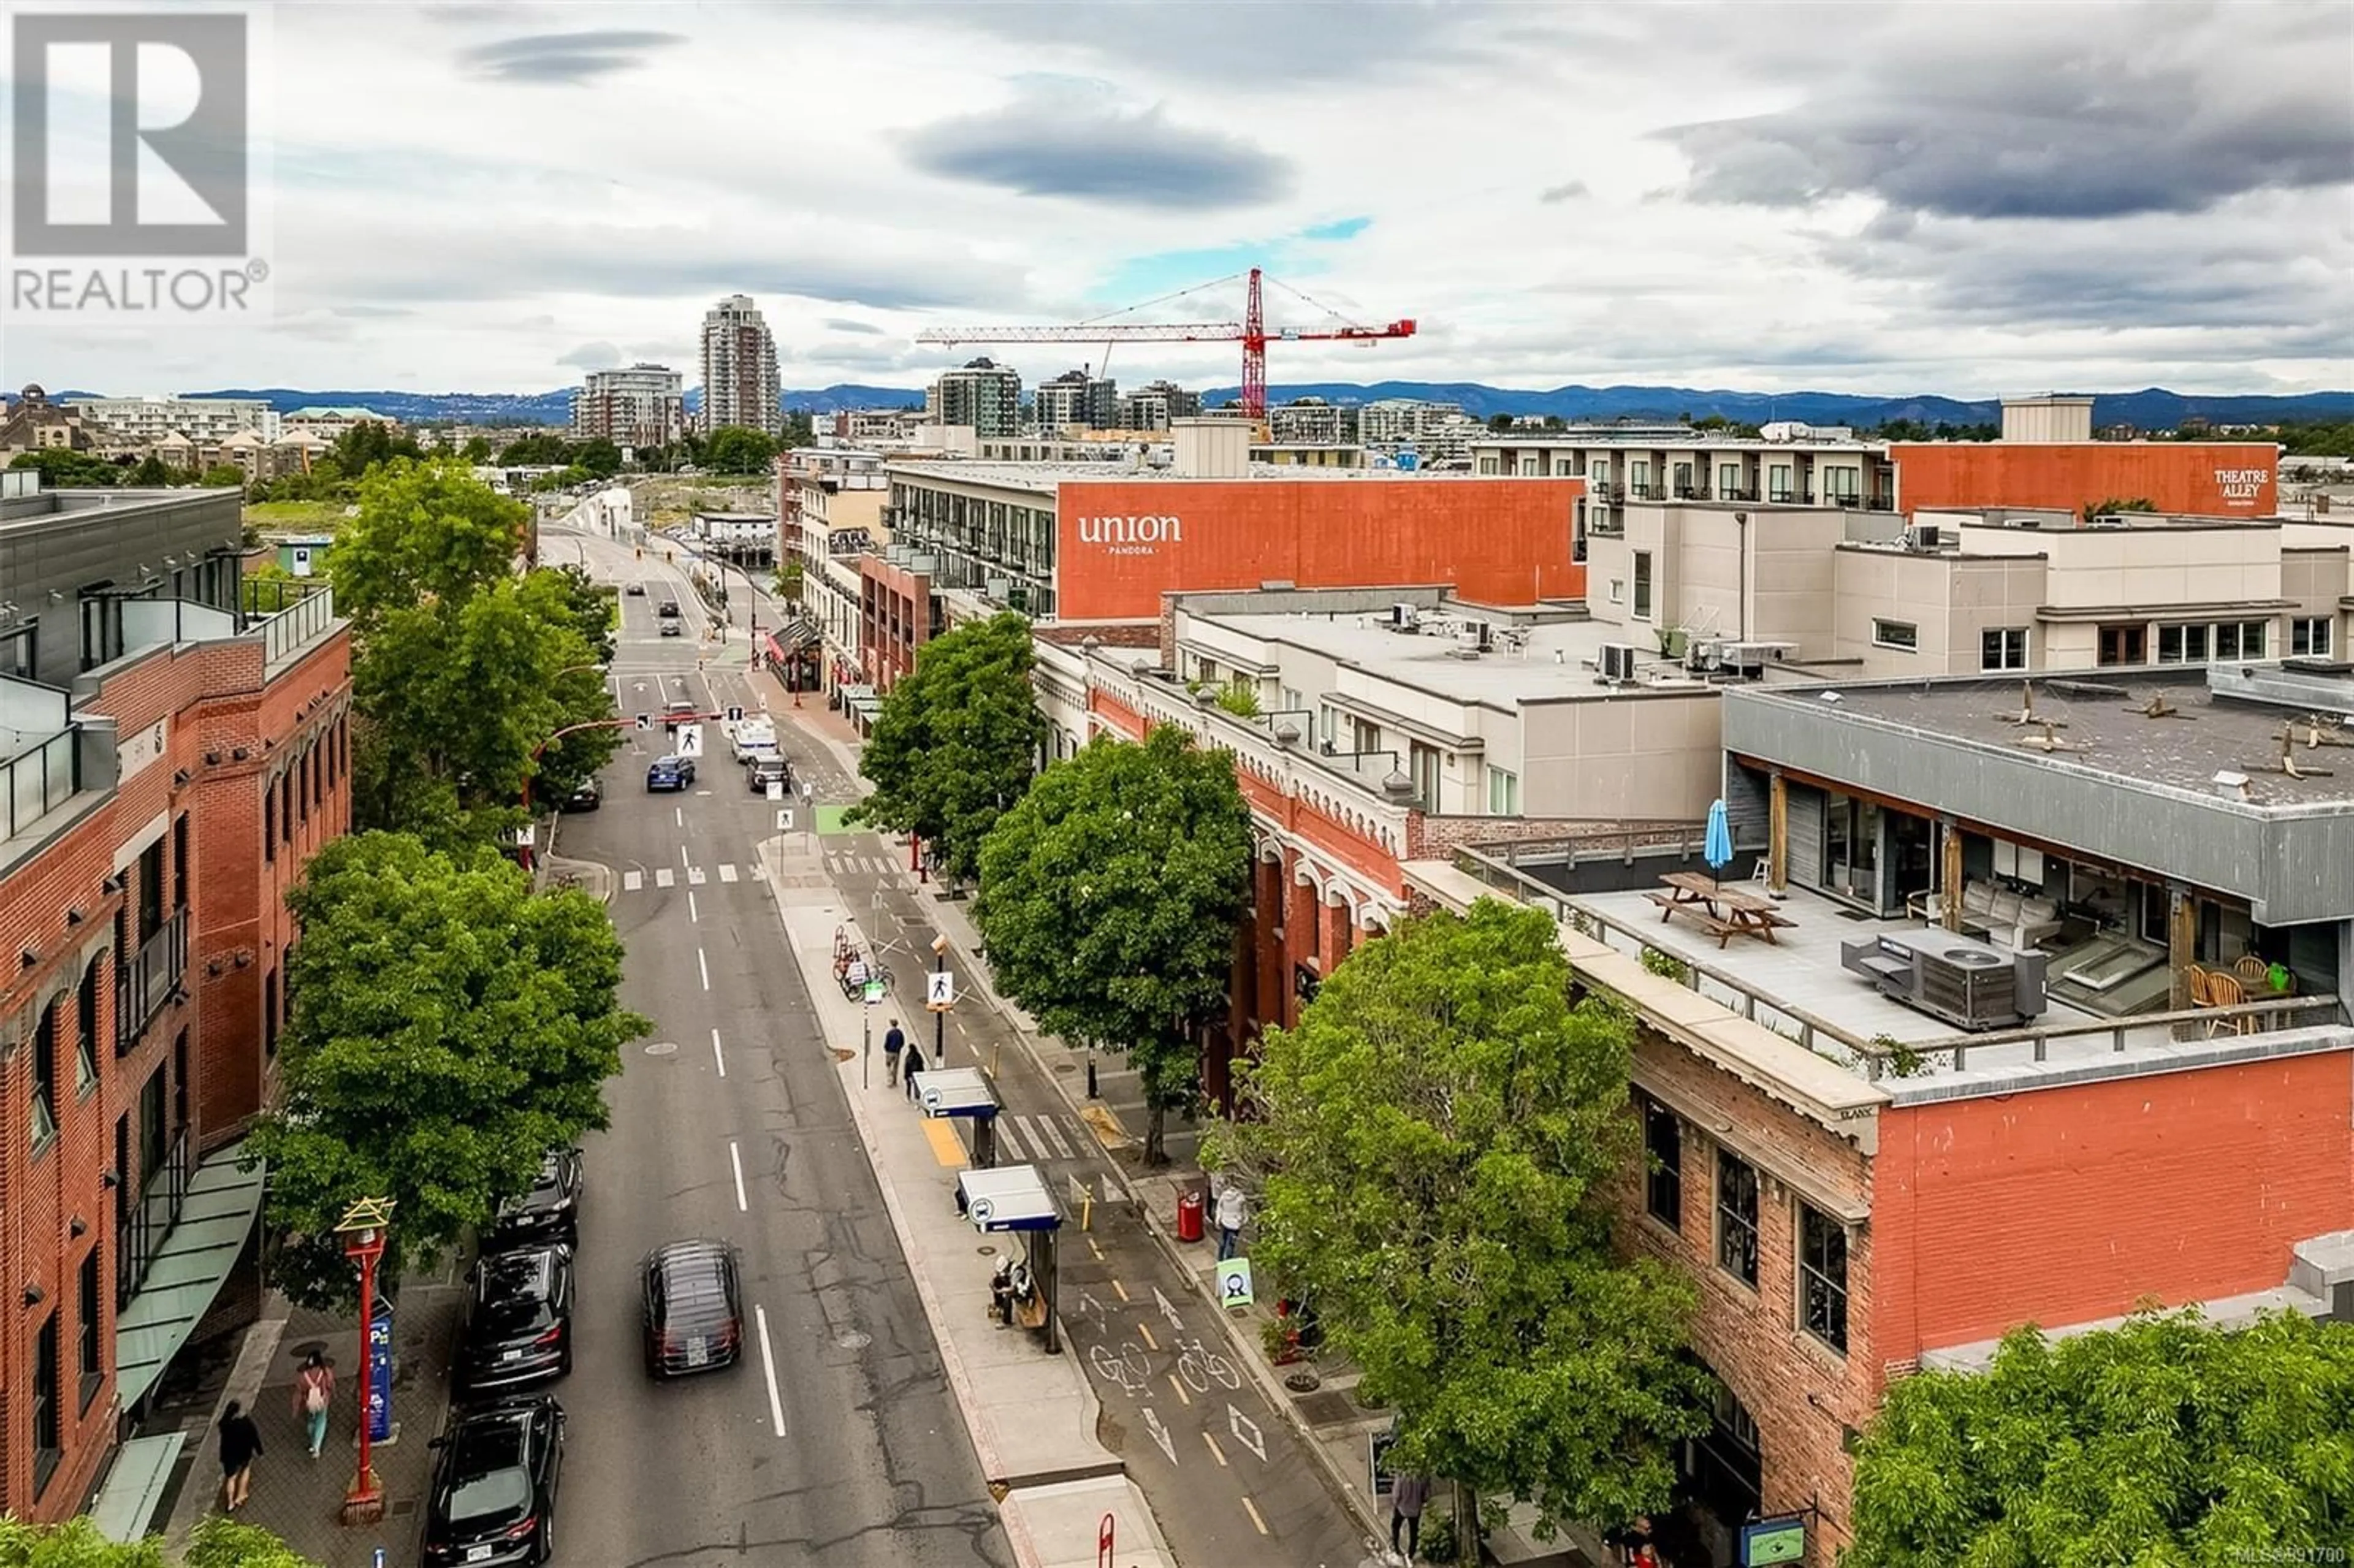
[(939, 1014)]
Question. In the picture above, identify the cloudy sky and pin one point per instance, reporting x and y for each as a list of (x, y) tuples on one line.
[(1970, 199)]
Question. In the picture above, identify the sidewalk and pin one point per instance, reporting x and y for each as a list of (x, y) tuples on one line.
[(299, 1498), (1032, 1417), (1321, 1409)]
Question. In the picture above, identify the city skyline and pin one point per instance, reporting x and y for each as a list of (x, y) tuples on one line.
[(2113, 196)]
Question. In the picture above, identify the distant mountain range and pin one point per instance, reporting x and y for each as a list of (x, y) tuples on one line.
[(2152, 408)]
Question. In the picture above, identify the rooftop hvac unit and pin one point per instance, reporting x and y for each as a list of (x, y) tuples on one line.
[(1923, 536), (1403, 617), (1617, 662)]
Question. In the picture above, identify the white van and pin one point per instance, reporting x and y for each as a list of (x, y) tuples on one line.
[(754, 738)]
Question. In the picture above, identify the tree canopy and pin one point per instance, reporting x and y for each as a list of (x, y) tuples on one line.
[(738, 449), (957, 741), (61, 468), (463, 671), (2165, 1442), (1430, 1145), (449, 1025), (1108, 898), (219, 1541)]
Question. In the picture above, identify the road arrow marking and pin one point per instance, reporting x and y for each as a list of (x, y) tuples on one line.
[(1176, 1320), (1159, 1435)]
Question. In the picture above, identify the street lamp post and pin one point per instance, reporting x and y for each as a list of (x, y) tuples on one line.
[(363, 1229)]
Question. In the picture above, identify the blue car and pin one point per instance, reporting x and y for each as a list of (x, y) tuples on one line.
[(669, 773)]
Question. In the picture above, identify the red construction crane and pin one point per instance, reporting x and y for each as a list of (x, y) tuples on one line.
[(1251, 332)]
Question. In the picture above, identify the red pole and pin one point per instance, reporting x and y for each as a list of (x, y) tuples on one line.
[(365, 1486)]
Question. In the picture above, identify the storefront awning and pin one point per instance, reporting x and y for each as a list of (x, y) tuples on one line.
[(198, 1251), (862, 701)]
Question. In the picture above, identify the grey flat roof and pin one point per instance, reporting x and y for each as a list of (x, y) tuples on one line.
[(1503, 679), (1047, 478), (2098, 717)]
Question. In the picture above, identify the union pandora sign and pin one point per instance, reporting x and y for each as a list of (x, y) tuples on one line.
[(1141, 535)]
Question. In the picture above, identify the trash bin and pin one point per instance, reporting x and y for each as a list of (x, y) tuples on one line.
[(1189, 1215)]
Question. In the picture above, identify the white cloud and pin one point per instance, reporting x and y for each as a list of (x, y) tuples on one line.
[(1956, 199)]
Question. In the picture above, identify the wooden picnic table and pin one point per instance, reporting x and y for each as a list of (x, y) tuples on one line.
[(1723, 912)]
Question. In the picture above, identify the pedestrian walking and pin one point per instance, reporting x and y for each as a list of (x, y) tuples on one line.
[(1407, 1494), (894, 1041), (1231, 1213), (913, 1065), (315, 1393), (240, 1445)]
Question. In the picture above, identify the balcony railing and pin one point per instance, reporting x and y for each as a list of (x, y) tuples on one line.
[(142, 1222), (296, 625), (1737, 492), (148, 980), (1649, 491), (42, 778)]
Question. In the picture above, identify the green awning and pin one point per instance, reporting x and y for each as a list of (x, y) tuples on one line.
[(188, 1270), (124, 1508)]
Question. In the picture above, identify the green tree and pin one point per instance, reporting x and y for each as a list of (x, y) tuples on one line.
[(449, 1025), (369, 445), (427, 534), (150, 473), (477, 449), (1500, 422), (537, 449), (737, 448), (1432, 1144), (2114, 506), (801, 431), (792, 577), (1108, 899), (600, 458), (63, 468), (219, 1541), (957, 741), (222, 476), (2166, 1441)]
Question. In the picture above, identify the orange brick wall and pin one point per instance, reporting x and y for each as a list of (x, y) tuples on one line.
[(2071, 1205), (1498, 541), (2173, 476)]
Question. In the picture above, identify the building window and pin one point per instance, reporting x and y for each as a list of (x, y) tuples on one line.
[(1778, 483), (1642, 585), (1663, 1181), (270, 821), (1617, 590), (2123, 645), (20, 651), (1901, 634), (45, 1078), (1503, 793), (48, 1442), (2308, 637), (180, 862), (1728, 481), (1490, 465), (2002, 648), (1822, 1277), (1736, 1217), (93, 1365), (86, 1030), (2195, 644), (269, 1013)]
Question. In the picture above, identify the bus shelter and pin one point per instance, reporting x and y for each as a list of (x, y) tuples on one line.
[(964, 1092), (1015, 1202)]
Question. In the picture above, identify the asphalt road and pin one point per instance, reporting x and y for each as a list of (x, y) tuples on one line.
[(835, 1439)]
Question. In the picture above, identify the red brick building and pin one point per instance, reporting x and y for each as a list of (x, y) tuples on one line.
[(173, 767)]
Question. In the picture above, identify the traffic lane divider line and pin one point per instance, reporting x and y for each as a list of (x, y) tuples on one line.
[(1183, 1397), (1216, 1452), (1251, 1508)]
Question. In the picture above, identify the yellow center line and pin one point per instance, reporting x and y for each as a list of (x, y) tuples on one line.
[(1183, 1397), (1251, 1508), (1146, 1335), (1116, 1284), (1216, 1452), (1094, 1249)]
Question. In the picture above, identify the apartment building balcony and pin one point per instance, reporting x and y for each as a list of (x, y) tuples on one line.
[(1691, 493), (149, 980), (1606, 490), (1787, 496), (288, 618), (1645, 491), (1737, 492), (1604, 525), (41, 777)]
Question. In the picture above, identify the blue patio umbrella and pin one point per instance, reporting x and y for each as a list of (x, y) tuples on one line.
[(1717, 848)]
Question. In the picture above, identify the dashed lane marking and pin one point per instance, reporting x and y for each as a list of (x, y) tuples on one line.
[(1183, 1397), (1216, 1452), (1251, 1508), (726, 872), (1146, 1335), (632, 880), (1116, 1284), (665, 877)]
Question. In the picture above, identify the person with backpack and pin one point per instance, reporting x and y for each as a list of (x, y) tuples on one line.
[(315, 1394)]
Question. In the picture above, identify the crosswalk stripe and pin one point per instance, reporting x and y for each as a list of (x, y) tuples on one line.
[(1054, 1137), (632, 880), (1030, 1136), (664, 877), (833, 863), (727, 873), (694, 877), (1005, 1143)]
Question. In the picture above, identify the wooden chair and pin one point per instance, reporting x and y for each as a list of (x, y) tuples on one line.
[(2254, 971), (2223, 991)]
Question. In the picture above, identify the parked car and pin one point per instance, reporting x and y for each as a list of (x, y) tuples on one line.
[(694, 1309), (550, 1212), (519, 1321), (665, 774), (763, 771), (636, 590), (493, 1496), (588, 798)]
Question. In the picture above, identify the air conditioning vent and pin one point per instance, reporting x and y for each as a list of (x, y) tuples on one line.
[(1617, 662), (1924, 537)]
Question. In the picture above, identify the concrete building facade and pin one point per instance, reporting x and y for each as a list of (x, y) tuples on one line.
[(642, 406), (739, 369), (143, 422), (980, 395)]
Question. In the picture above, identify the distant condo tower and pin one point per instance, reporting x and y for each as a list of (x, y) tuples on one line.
[(638, 407), (739, 369)]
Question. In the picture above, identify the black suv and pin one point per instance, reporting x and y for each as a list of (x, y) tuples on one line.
[(694, 1311), (519, 1323), (550, 1212), (763, 771), (493, 1497), (667, 610)]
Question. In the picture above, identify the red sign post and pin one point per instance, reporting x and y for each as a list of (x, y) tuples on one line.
[(1103, 1543)]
